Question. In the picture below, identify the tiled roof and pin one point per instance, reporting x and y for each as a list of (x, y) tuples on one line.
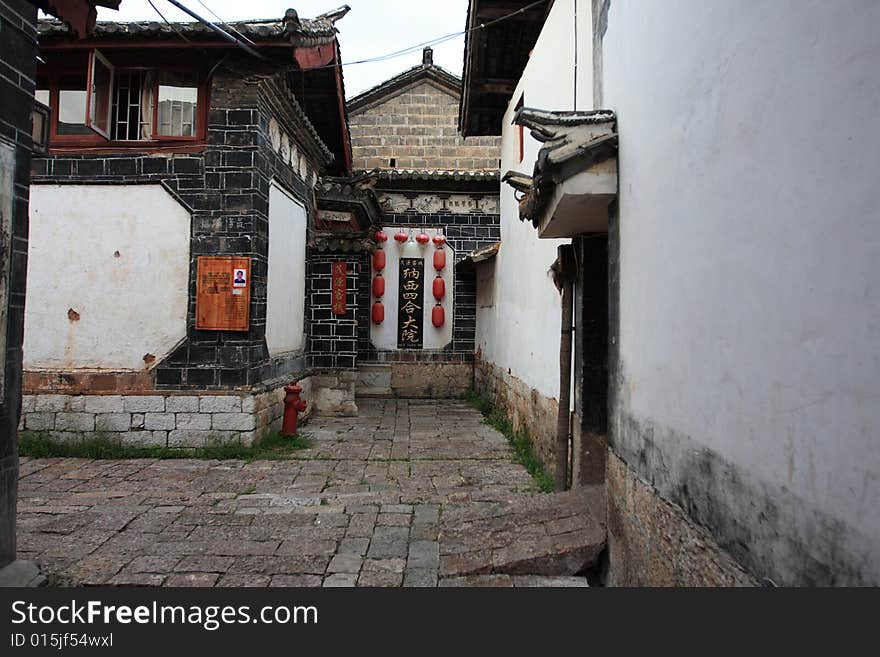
[(496, 50), (428, 71), (431, 174), (290, 29), (572, 142)]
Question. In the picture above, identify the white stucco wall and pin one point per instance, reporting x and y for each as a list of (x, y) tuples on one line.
[(749, 243), (118, 257), (384, 335), (521, 332), (286, 285)]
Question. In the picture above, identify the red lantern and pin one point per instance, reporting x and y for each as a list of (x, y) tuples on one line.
[(400, 236), (378, 260), (381, 237), (439, 288), (379, 286), (439, 241), (378, 313), (422, 238), (439, 259), (438, 316)]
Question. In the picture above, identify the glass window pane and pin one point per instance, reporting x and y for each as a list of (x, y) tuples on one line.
[(72, 112), (178, 103), (102, 78), (72, 105)]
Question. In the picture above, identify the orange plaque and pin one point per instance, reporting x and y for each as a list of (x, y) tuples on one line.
[(223, 293), (337, 287)]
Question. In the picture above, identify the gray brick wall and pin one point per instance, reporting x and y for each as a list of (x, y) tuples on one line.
[(17, 81), (226, 188), (419, 129), (465, 233), (333, 339)]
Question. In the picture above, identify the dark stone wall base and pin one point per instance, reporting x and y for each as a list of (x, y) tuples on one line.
[(527, 409), (651, 542)]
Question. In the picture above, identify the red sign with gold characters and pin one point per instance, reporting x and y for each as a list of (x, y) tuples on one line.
[(337, 287)]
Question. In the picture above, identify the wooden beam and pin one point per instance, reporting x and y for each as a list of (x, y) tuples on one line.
[(499, 86)]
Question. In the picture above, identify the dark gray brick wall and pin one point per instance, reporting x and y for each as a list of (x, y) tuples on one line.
[(465, 233), (18, 39), (226, 189), (333, 339)]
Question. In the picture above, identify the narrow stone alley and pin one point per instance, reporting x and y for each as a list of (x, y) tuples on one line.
[(409, 493)]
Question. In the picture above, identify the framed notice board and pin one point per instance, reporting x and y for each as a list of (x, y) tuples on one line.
[(223, 293)]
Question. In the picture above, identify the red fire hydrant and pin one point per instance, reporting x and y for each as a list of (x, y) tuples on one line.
[(293, 406)]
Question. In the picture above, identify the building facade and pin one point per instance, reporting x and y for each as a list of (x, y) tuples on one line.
[(741, 435), (430, 182), (19, 136), (170, 219)]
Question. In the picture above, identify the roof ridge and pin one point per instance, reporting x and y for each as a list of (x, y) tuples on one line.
[(402, 79)]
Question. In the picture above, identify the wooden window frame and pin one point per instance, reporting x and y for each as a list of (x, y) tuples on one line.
[(201, 110), (90, 121), (97, 142)]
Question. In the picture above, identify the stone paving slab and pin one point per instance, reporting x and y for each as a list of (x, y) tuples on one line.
[(409, 493)]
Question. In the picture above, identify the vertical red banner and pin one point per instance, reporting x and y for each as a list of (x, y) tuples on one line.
[(337, 287)]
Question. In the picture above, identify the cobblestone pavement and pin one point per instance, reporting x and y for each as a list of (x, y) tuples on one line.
[(410, 493)]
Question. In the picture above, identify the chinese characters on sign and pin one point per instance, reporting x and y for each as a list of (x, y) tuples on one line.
[(337, 288), (223, 295), (411, 303)]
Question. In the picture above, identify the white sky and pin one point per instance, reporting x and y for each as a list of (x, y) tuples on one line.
[(372, 28)]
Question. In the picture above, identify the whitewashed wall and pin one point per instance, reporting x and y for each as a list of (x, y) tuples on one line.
[(286, 286), (108, 272), (384, 335), (520, 332), (750, 270)]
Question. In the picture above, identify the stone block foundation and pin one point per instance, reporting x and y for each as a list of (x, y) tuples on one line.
[(185, 418), (651, 542), (159, 419), (526, 408)]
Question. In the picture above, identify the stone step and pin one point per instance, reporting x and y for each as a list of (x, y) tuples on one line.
[(519, 581), (546, 535)]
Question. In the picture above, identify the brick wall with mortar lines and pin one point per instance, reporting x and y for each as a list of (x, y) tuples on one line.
[(17, 83), (419, 129), (170, 420), (333, 339), (465, 233), (226, 189)]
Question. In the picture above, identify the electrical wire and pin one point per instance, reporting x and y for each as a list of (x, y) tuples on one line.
[(170, 24), (224, 23), (442, 39), (392, 55)]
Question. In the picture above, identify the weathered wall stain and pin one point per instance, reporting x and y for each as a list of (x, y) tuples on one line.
[(763, 525)]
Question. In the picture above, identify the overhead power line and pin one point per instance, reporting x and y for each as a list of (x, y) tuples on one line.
[(217, 29), (224, 23), (380, 58), (443, 39)]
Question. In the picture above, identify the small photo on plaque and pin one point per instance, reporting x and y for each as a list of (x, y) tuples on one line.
[(239, 278)]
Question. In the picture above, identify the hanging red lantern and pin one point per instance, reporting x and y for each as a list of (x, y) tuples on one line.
[(381, 237), (438, 316), (378, 313), (400, 237), (378, 260), (439, 288), (423, 238), (379, 286), (439, 241), (439, 259)]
